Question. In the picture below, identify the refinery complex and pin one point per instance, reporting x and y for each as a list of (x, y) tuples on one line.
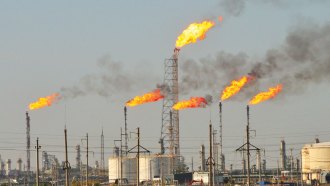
[(131, 161), (136, 165)]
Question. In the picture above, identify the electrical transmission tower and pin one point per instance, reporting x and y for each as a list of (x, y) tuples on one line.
[(170, 138)]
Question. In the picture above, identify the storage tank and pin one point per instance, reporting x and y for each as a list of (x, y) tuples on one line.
[(151, 166), (8, 166), (114, 169), (129, 169), (315, 159)]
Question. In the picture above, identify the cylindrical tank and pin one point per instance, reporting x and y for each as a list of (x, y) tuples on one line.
[(8, 166), (315, 158), (114, 168), (19, 164), (151, 166), (129, 169)]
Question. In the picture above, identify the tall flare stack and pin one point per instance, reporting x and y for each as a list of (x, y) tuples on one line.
[(28, 165), (248, 144), (222, 157), (171, 79), (126, 135)]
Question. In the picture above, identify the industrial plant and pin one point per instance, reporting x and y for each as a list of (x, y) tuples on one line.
[(135, 165)]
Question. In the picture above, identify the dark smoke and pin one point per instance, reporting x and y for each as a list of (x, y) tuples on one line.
[(235, 8), (164, 89), (302, 60), (212, 73), (111, 80), (209, 99)]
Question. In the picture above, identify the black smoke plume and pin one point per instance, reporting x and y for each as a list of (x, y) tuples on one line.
[(303, 59)]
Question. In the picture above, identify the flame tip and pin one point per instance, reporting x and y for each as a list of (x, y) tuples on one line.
[(44, 101), (148, 97), (193, 32), (263, 96)]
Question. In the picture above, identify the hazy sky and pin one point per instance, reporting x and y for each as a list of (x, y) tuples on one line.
[(114, 50)]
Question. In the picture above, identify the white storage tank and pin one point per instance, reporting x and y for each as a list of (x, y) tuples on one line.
[(114, 169), (151, 166), (315, 159)]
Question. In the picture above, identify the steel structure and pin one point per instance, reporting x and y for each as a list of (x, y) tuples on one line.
[(222, 157), (28, 166), (170, 136), (78, 157), (102, 153)]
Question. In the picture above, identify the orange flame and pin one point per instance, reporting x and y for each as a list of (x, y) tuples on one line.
[(146, 98), (193, 32), (194, 102), (45, 101), (263, 96), (234, 87)]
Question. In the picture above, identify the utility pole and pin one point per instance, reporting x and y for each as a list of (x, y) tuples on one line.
[(121, 155), (87, 161), (291, 163), (138, 155), (66, 163), (37, 172), (248, 144), (277, 170)]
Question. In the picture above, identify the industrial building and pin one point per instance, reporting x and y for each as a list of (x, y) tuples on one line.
[(316, 162), (151, 167)]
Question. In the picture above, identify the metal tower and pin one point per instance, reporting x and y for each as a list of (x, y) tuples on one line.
[(283, 155), (28, 145), (170, 138), (102, 152), (78, 159), (125, 147), (222, 157)]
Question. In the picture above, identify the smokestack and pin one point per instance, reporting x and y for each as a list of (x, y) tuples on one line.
[(126, 136), (8, 166), (211, 157), (283, 155), (116, 151), (317, 140), (248, 114), (222, 167), (78, 161), (202, 153), (45, 161), (28, 145), (248, 144), (19, 165), (176, 53)]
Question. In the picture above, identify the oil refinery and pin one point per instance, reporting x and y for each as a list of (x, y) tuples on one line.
[(206, 99)]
